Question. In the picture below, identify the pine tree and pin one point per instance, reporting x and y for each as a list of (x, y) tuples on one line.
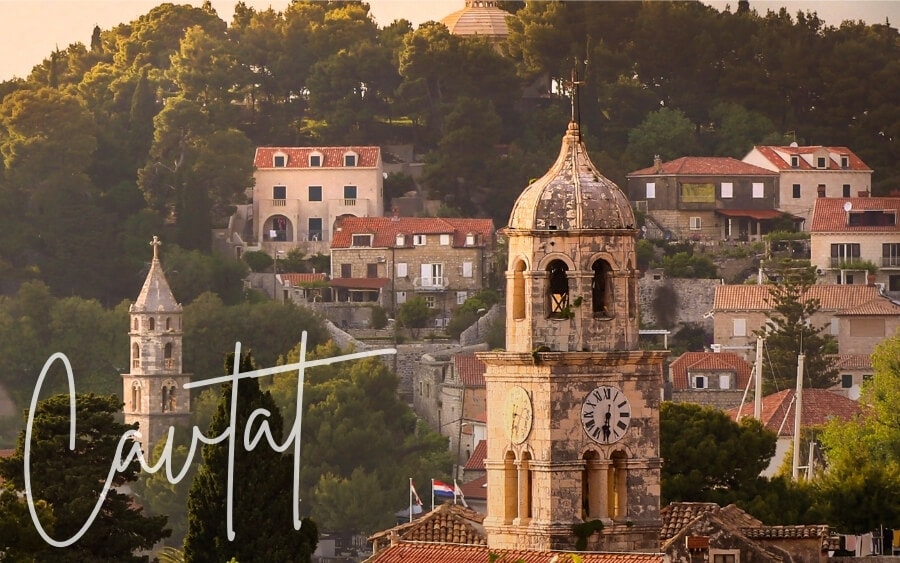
[(790, 332), (262, 485)]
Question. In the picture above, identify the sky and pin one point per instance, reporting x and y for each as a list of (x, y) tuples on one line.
[(31, 29)]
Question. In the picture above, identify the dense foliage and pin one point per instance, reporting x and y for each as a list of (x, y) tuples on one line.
[(150, 128)]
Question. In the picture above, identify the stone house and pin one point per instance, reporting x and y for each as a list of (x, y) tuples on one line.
[(388, 260), (858, 316), (853, 370), (715, 379), (707, 198), (300, 192), (777, 414), (809, 172), (705, 532), (847, 235)]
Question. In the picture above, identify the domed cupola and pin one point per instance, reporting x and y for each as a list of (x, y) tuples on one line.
[(571, 279), (572, 195)]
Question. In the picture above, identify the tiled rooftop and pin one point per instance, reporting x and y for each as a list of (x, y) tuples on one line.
[(386, 230), (756, 297), (828, 214), (469, 369), (475, 489), (691, 362), (299, 279), (333, 157), (677, 515), (448, 524), (819, 406), (476, 460), (780, 157), (852, 361), (876, 307), (431, 553), (704, 166)]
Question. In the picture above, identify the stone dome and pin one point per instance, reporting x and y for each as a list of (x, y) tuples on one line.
[(479, 17), (572, 195)]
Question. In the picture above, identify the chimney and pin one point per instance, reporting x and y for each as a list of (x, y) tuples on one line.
[(821, 190), (657, 164)]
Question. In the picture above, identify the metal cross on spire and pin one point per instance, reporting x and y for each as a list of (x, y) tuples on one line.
[(155, 243), (576, 102)]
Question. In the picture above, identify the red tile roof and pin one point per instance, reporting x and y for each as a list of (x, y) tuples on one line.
[(691, 362), (475, 489), (677, 515), (756, 297), (704, 166), (333, 157), (780, 157), (447, 524), (852, 361), (406, 552), (359, 283), (828, 214), (819, 406), (298, 279), (877, 307), (469, 369), (476, 460), (386, 230)]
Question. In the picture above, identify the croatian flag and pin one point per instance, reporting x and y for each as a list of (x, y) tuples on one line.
[(441, 489)]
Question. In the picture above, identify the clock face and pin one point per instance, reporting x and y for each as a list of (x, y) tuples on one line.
[(606, 415), (518, 414)]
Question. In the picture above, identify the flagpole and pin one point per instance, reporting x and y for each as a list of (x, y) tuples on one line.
[(432, 494), (454, 491), (410, 498)]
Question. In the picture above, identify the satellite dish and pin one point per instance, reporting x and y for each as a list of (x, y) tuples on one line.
[(848, 206)]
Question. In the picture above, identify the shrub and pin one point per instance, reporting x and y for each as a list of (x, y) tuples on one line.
[(258, 260)]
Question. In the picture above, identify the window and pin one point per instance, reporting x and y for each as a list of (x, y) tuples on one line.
[(400, 240), (558, 289), (279, 192), (432, 275), (401, 297), (724, 381), (727, 190), (835, 327), (315, 160), (699, 382), (739, 327), (401, 270), (315, 228), (843, 254), (279, 161), (600, 289), (445, 240), (315, 193), (470, 239), (796, 188), (820, 162), (894, 283), (371, 270), (349, 192), (430, 301), (461, 297), (361, 240), (695, 223), (845, 161), (467, 270), (759, 190), (651, 190), (890, 254), (846, 380), (346, 270), (726, 557), (418, 240), (846, 190), (795, 161), (349, 160)]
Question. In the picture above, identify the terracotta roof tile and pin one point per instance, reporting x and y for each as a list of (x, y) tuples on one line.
[(819, 406), (876, 307), (476, 460), (298, 279), (476, 488), (792, 532), (470, 370), (448, 523), (333, 157), (429, 553), (780, 157), (828, 214), (756, 297), (691, 362), (386, 230), (677, 515), (852, 361), (704, 166)]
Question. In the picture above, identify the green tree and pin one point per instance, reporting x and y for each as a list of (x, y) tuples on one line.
[(689, 265), (414, 315), (71, 481), (789, 331), (666, 133), (262, 477), (19, 539), (709, 457)]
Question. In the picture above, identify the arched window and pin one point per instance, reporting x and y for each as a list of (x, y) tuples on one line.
[(135, 395), (137, 324), (601, 289), (168, 397), (168, 323), (152, 323), (510, 488), (632, 300), (592, 481), (135, 355), (617, 485), (525, 487), (518, 301), (558, 289)]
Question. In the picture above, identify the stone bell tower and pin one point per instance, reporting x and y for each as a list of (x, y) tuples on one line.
[(573, 404), (154, 388)]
